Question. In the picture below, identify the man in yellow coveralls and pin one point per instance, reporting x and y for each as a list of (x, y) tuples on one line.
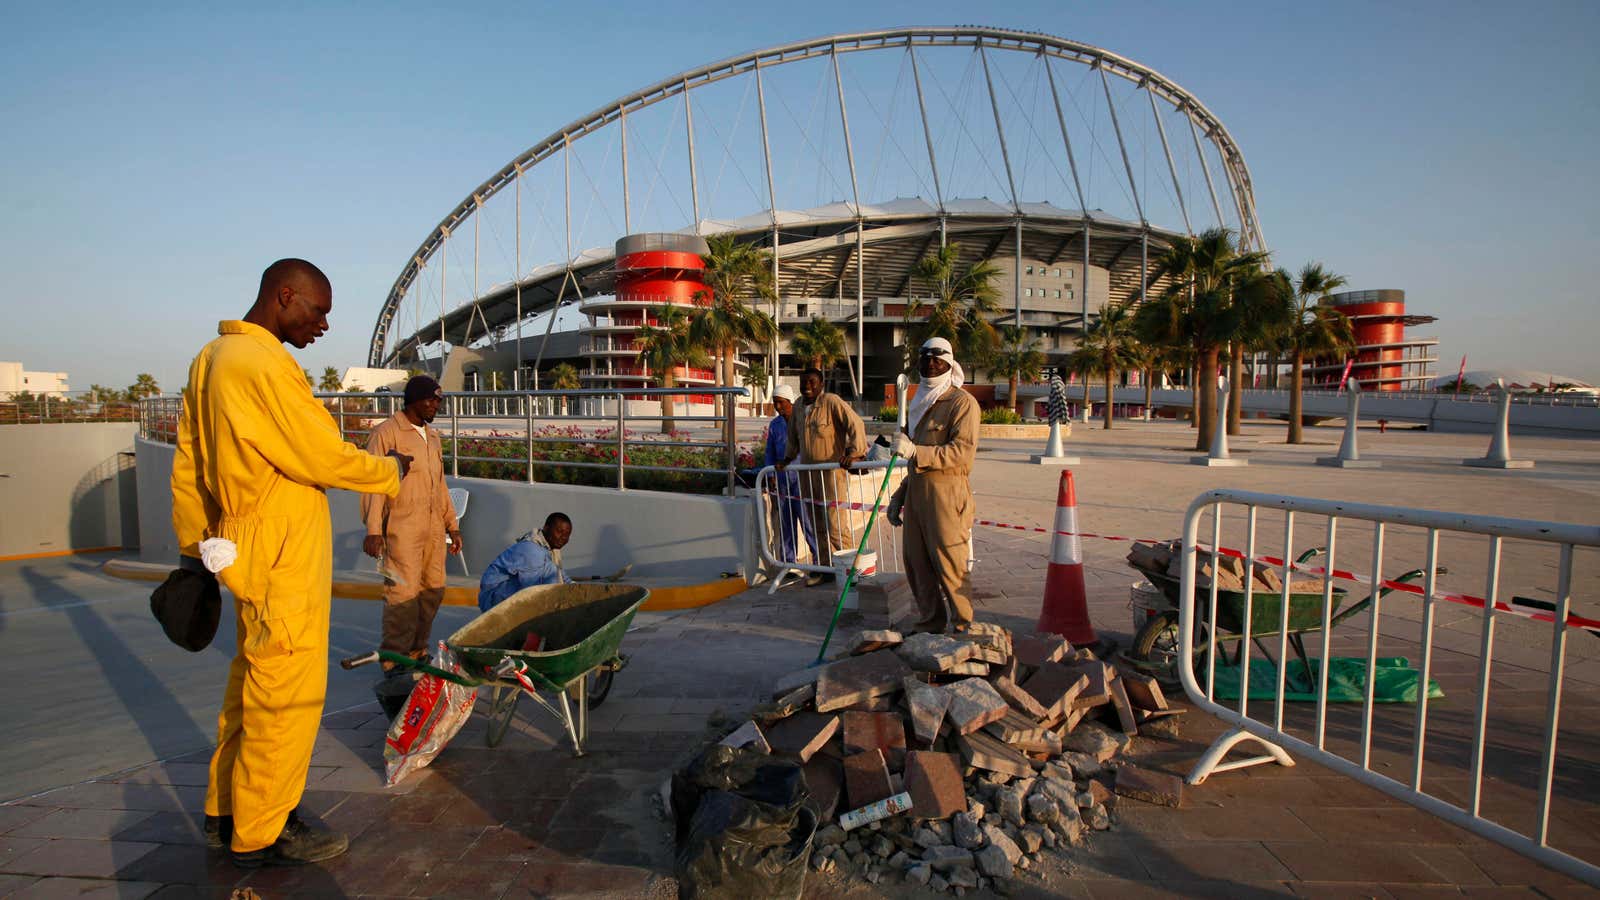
[(408, 532), (934, 504), (255, 453)]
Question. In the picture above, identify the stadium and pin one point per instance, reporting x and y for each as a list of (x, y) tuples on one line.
[(851, 157)]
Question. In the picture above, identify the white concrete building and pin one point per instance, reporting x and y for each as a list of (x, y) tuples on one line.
[(14, 379)]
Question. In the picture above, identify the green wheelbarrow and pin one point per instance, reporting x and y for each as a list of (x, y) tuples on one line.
[(1156, 648), (580, 628)]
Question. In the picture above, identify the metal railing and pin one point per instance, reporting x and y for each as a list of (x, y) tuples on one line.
[(41, 409), (835, 518), (1417, 532), (523, 435)]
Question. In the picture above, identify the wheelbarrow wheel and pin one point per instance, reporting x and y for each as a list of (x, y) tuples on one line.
[(1155, 647), (599, 686), (502, 709)]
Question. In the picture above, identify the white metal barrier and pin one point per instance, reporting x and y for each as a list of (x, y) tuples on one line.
[(1429, 526), (814, 488)]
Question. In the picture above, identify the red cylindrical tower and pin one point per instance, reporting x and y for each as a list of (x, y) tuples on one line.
[(1385, 359), (652, 270)]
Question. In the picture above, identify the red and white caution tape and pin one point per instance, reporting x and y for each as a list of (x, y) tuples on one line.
[(1573, 620)]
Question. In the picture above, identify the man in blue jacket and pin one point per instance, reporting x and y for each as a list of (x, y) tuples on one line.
[(789, 505), (534, 559)]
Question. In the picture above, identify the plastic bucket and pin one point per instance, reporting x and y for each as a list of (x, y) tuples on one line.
[(1146, 601), (868, 565)]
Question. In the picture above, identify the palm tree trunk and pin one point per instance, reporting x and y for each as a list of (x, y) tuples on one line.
[(1206, 384), (728, 401), (1107, 426), (1235, 385), (1194, 397), (1149, 378), (668, 380), (1016, 402), (1296, 385)]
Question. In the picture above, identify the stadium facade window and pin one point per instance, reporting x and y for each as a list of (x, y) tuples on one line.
[(1056, 273), (1030, 270), (1058, 295)]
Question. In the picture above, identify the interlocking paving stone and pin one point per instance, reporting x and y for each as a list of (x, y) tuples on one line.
[(866, 778), (883, 731), (859, 678)]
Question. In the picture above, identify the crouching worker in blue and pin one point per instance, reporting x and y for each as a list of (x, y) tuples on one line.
[(534, 559)]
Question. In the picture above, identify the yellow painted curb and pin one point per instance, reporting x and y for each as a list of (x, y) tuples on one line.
[(686, 596), (51, 554), (690, 596)]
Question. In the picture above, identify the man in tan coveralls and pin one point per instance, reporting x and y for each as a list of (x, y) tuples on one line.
[(824, 429), (408, 531), (934, 504)]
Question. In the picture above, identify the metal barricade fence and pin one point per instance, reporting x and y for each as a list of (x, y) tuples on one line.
[(814, 493), (516, 434), (1413, 530)]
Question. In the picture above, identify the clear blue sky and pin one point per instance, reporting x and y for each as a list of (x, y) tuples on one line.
[(155, 160)]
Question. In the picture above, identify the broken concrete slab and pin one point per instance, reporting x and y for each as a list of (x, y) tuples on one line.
[(1055, 686), (858, 678), (883, 731), (1095, 740), (866, 779), (747, 736), (998, 838), (928, 705), (1098, 691), (801, 734), (928, 652), (1119, 699), (797, 679), (825, 782), (1024, 734), (934, 782), (970, 667), (1036, 650), (1150, 786), (974, 703), (982, 751), (1019, 699), (1081, 765), (1143, 691), (786, 704), (875, 639), (945, 857), (992, 862), (881, 703)]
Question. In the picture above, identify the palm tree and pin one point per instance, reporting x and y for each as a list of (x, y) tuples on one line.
[(144, 385), (1197, 308), (664, 347), (736, 273), (755, 380), (1017, 358), (820, 343), (1265, 303), (961, 301), (1109, 346), (564, 377), (331, 382), (1314, 330)]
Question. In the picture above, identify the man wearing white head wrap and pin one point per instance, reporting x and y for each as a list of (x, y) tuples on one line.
[(934, 504)]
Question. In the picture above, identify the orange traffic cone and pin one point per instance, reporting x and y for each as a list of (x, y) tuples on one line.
[(1066, 603)]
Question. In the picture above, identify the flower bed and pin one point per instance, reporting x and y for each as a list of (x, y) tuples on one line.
[(505, 457)]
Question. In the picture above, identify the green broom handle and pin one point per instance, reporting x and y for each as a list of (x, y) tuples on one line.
[(850, 578)]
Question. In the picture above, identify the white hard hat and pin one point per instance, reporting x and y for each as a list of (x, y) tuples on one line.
[(784, 392), (937, 346)]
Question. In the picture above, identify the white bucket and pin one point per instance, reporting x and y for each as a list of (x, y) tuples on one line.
[(869, 562), (1146, 601), (869, 567)]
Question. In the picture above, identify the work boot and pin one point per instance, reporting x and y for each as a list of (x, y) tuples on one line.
[(300, 843), (218, 831)]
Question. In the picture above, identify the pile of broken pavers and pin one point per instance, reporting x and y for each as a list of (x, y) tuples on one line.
[(1011, 752)]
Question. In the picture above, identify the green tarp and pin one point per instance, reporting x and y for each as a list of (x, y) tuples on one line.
[(1394, 681)]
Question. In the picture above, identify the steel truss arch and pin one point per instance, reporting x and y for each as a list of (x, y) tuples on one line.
[(976, 37)]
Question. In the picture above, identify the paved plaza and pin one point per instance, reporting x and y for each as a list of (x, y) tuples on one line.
[(108, 697)]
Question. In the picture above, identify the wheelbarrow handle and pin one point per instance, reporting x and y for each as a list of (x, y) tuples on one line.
[(360, 659)]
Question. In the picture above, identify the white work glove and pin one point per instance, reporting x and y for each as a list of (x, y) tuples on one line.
[(897, 505), (905, 447), (218, 554)]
